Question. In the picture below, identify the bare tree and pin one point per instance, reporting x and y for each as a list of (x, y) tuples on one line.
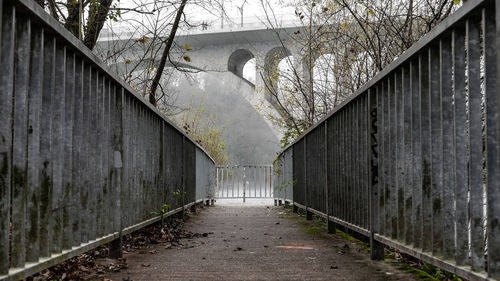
[(342, 44)]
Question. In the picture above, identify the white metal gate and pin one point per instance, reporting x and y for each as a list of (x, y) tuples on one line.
[(244, 181)]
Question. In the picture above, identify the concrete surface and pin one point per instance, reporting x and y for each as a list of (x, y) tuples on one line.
[(256, 242)]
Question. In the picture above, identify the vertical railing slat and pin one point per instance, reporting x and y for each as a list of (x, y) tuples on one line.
[(6, 48), (100, 212), (399, 175), (393, 196), (85, 155), (380, 160), (356, 169), (49, 49), (475, 142), (416, 155), (57, 146), (408, 152), (106, 160), (365, 136), (92, 190), (67, 170), (343, 160), (448, 204), (436, 151), (425, 141), (461, 175), (492, 60), (127, 158), (20, 141), (373, 136), (387, 155), (78, 208), (34, 132)]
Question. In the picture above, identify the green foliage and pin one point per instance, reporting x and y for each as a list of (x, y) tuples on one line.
[(289, 136), (204, 130), (312, 230), (178, 196), (284, 184), (164, 209)]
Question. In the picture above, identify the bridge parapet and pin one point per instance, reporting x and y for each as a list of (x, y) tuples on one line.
[(206, 26)]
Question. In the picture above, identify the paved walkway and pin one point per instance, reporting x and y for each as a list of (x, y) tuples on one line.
[(256, 243)]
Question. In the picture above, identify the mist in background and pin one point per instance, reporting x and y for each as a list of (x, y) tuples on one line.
[(249, 138)]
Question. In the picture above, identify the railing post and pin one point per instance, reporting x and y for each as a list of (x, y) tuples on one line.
[(308, 214), (330, 224), (244, 183), (115, 246), (377, 249), (183, 178), (491, 21)]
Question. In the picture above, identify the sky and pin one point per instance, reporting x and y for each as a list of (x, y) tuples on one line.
[(251, 8)]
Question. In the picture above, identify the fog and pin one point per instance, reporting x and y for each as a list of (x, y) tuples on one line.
[(249, 138)]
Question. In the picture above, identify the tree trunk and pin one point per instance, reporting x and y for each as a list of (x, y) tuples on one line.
[(73, 20), (166, 51), (98, 14)]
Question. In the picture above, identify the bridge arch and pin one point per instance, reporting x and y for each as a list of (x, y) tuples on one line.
[(237, 61), (271, 71)]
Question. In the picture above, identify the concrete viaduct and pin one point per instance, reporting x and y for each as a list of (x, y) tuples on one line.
[(229, 49)]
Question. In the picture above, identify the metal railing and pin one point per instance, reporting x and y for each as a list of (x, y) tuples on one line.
[(244, 181), (84, 158), (412, 159)]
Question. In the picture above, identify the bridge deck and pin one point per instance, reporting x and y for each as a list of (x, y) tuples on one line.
[(248, 244)]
